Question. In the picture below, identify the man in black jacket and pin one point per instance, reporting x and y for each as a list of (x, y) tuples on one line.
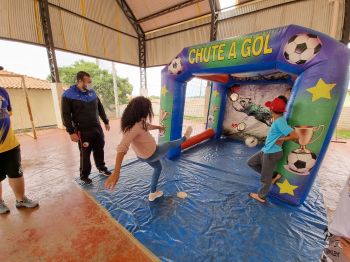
[(81, 109)]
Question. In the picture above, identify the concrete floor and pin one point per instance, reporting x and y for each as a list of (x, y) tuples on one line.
[(70, 226)]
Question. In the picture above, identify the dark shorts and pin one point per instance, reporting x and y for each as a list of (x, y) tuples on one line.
[(10, 164)]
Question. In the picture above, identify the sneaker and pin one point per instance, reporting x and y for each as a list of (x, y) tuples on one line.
[(105, 172), (188, 132), (155, 195), (3, 208), (26, 202), (86, 180)]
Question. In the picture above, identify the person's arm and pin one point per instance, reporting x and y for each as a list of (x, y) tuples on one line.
[(9, 107), (114, 177), (102, 114), (67, 120), (345, 245), (153, 127), (292, 136), (122, 149), (288, 132)]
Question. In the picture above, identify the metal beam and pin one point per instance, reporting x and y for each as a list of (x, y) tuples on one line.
[(169, 10), (346, 26), (141, 41), (214, 20), (48, 39)]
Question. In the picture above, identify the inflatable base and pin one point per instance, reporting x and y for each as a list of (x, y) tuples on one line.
[(217, 221)]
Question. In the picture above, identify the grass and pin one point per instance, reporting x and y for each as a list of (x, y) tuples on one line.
[(195, 118), (342, 134)]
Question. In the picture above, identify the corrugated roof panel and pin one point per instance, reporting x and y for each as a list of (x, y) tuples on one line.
[(299, 13), (180, 15), (119, 47), (236, 26), (57, 28), (128, 50), (71, 5), (111, 41), (109, 13), (55, 2), (325, 9), (147, 7), (94, 35), (180, 27), (4, 21), (270, 18), (315, 14), (73, 31), (106, 12), (20, 20), (161, 50)]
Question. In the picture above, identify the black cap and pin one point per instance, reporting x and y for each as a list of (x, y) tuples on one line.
[(1, 68)]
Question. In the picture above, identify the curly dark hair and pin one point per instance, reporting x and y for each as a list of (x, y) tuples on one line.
[(139, 108)]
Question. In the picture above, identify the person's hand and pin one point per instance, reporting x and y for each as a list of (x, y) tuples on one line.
[(279, 142), (162, 128), (108, 127), (112, 181), (74, 137), (345, 244)]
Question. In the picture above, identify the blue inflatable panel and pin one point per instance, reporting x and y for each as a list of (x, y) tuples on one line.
[(218, 221)]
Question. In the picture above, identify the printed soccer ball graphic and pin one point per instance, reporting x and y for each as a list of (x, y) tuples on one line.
[(211, 120), (301, 48), (251, 141), (175, 67), (301, 162)]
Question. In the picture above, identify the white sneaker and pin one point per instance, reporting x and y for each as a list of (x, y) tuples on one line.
[(155, 195), (188, 132)]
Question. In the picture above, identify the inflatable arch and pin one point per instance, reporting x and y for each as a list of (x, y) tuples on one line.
[(319, 66)]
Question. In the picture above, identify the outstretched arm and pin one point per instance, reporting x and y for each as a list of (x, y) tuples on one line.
[(114, 177), (153, 127), (122, 149)]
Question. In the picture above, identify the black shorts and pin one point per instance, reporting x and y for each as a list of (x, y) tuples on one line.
[(10, 164)]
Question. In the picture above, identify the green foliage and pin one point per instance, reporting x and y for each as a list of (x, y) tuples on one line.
[(102, 81)]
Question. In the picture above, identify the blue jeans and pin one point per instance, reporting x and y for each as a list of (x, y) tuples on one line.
[(154, 160)]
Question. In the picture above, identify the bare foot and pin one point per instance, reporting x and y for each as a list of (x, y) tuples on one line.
[(188, 132), (276, 178), (256, 197)]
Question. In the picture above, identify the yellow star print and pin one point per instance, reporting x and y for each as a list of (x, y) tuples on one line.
[(164, 90), (215, 93), (286, 188), (321, 90)]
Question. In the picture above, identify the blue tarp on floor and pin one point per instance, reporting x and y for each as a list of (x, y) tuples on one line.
[(218, 221)]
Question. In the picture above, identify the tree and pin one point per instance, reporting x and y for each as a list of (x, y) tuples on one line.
[(102, 81)]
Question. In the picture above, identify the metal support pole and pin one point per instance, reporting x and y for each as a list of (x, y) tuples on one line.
[(115, 89), (214, 20), (141, 41), (48, 39)]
